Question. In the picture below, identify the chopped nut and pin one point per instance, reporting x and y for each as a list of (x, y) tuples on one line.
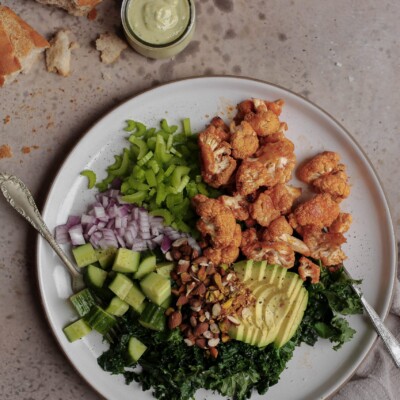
[(193, 321), (169, 311), (174, 320), (179, 242), (213, 352), (213, 342), (200, 329), (214, 328), (182, 300), (234, 320), (216, 310), (201, 343), (188, 342)]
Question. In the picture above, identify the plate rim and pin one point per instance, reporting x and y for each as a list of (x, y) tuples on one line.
[(196, 78)]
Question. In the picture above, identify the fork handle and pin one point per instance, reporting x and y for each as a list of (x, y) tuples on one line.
[(21, 199), (388, 338)]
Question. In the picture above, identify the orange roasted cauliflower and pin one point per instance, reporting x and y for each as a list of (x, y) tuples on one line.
[(273, 252), (324, 246), (320, 211), (341, 224), (238, 204), (216, 223), (317, 166), (335, 183), (244, 140), (217, 163), (307, 269), (250, 176), (263, 210), (283, 197)]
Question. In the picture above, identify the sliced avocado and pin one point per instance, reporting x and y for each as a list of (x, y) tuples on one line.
[(280, 303), (293, 320)]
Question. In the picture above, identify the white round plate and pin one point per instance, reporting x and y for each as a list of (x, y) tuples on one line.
[(314, 372)]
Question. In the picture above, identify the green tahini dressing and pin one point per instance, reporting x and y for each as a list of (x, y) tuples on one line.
[(158, 21)]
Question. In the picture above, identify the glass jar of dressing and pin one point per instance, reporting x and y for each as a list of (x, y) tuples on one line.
[(158, 28)]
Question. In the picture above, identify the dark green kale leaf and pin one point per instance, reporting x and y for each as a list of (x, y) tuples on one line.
[(333, 295)]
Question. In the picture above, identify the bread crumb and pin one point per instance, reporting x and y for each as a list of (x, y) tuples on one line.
[(7, 119), (58, 56), (5, 151), (28, 149), (110, 46)]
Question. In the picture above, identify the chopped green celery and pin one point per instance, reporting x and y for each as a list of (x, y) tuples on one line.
[(151, 143), (191, 189), (138, 173), (174, 160), (170, 141), (178, 174), (141, 144), (149, 132), (163, 134), (198, 179), (91, 177), (169, 171), (187, 130), (153, 164), (180, 138), (161, 212), (181, 226), (130, 125), (185, 180), (147, 157), (175, 152), (125, 187), (164, 126), (116, 165), (151, 178), (140, 128), (124, 164), (103, 185), (152, 192), (135, 198), (161, 154), (160, 176), (137, 185), (201, 187), (183, 149), (161, 193)]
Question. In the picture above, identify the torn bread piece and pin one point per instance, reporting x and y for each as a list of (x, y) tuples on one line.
[(74, 7), (110, 46), (20, 45), (58, 56)]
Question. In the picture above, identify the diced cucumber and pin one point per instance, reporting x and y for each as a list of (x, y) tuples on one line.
[(121, 285), (126, 261), (146, 266), (84, 255), (165, 268), (156, 287), (77, 330), (83, 301), (166, 303), (95, 276), (135, 299), (100, 320), (135, 349), (106, 257), (117, 307), (153, 317)]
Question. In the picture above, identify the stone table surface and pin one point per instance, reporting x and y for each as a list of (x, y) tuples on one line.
[(343, 55)]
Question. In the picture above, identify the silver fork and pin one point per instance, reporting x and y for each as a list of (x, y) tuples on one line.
[(387, 337), (20, 198)]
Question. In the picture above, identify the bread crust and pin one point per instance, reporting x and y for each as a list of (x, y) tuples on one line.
[(74, 7), (18, 41)]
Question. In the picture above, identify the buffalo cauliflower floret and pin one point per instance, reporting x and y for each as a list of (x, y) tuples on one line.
[(273, 252), (319, 165), (249, 237), (275, 106), (250, 176), (263, 122), (341, 224), (218, 122), (263, 210), (320, 211), (244, 140), (217, 163), (283, 196), (335, 183), (228, 254), (307, 269), (237, 204), (324, 246), (279, 160), (216, 222), (279, 230)]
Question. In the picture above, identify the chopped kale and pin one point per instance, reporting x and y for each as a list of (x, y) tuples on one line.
[(175, 371)]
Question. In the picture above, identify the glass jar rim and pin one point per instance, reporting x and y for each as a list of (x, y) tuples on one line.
[(128, 28)]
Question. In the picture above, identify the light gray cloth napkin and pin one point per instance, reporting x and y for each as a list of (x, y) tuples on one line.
[(377, 378)]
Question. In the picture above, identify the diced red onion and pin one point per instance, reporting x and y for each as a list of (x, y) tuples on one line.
[(111, 223)]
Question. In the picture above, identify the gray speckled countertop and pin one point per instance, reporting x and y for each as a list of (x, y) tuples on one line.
[(343, 55)]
